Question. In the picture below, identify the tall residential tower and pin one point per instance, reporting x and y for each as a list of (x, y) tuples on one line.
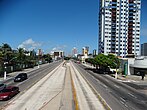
[(119, 27)]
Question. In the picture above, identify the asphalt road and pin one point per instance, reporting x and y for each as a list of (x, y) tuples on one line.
[(87, 100), (118, 95), (33, 77), (42, 93)]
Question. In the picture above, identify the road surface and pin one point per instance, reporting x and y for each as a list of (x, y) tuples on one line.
[(118, 95)]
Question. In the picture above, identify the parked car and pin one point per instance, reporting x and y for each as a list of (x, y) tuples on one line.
[(78, 62), (2, 86), (8, 92), (20, 77)]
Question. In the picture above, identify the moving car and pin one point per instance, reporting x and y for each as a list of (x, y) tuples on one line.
[(2, 86), (20, 77), (8, 92)]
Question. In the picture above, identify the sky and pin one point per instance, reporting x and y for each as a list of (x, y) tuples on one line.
[(54, 24)]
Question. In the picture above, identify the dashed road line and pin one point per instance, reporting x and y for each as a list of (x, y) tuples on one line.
[(116, 86), (132, 95)]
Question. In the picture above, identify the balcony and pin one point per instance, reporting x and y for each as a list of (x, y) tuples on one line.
[(130, 37), (132, 4), (114, 1), (129, 51), (112, 50), (114, 29), (114, 16), (113, 43), (130, 32), (130, 44), (113, 39), (130, 23), (113, 33), (130, 29)]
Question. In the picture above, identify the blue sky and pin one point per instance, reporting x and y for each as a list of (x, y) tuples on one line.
[(54, 24)]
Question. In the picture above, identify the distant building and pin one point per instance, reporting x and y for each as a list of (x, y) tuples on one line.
[(119, 27), (144, 49), (74, 52), (40, 52), (85, 51), (58, 55), (84, 55), (94, 52)]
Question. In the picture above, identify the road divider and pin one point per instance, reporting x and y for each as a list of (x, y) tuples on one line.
[(74, 93)]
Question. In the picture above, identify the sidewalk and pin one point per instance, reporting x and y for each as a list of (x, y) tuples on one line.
[(129, 78), (11, 75), (132, 80)]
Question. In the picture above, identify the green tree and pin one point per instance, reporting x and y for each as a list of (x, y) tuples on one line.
[(114, 62), (47, 58), (6, 52), (91, 61), (66, 58), (21, 57), (102, 61)]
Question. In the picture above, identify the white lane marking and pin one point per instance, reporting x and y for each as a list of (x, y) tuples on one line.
[(126, 105), (95, 79), (116, 86), (99, 81), (106, 80), (104, 86), (122, 99), (132, 95), (123, 102)]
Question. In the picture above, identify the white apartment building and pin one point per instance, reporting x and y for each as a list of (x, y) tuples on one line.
[(119, 27)]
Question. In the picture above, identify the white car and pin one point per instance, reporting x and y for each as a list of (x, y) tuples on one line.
[(2, 86)]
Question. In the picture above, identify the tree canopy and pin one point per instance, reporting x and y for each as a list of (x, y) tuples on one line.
[(105, 61), (19, 58)]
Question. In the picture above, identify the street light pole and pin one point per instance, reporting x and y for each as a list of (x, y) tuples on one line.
[(38, 64), (5, 68), (5, 72)]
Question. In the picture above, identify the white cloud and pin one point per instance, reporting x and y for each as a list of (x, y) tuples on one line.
[(29, 44), (58, 48)]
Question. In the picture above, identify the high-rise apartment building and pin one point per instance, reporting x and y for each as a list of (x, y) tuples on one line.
[(74, 52), (85, 51), (119, 27), (144, 49)]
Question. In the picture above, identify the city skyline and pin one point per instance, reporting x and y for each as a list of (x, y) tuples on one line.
[(52, 25)]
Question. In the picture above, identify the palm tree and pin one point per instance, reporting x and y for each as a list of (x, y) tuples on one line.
[(6, 52), (21, 57), (5, 55)]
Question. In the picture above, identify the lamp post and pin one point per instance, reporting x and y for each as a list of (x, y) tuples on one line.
[(38, 64), (5, 68), (5, 72)]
